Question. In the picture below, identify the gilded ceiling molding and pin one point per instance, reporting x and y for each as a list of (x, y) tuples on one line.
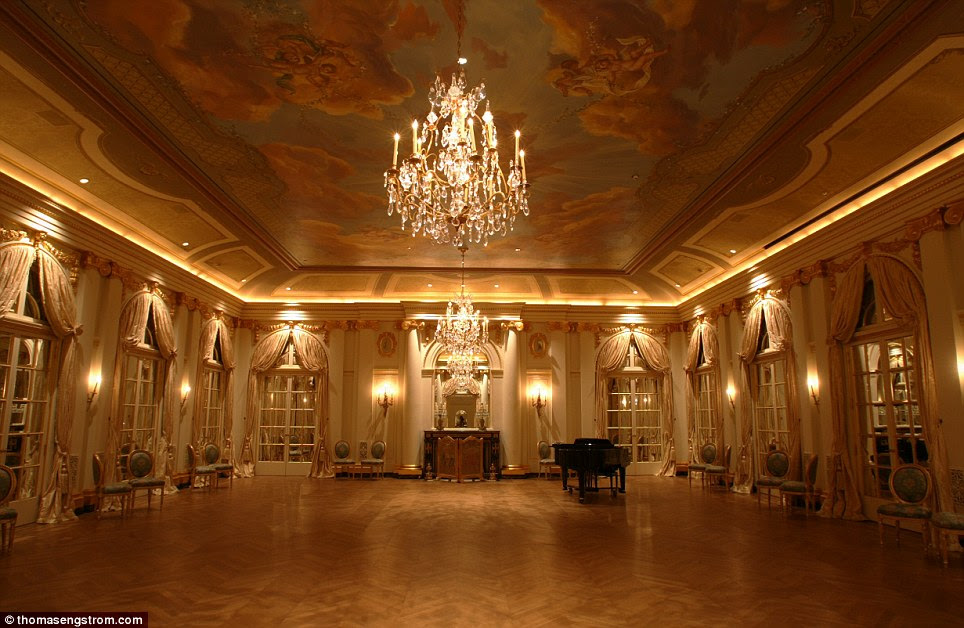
[(804, 276), (260, 328), (764, 293), (661, 334)]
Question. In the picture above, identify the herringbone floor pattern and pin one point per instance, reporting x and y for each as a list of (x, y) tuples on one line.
[(299, 552)]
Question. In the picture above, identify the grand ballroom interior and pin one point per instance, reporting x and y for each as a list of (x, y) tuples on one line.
[(296, 304)]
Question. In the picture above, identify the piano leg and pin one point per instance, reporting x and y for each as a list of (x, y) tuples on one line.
[(622, 479), (582, 485), (565, 477)]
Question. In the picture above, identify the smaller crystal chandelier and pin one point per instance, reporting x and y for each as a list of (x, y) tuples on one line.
[(451, 187), (462, 332)]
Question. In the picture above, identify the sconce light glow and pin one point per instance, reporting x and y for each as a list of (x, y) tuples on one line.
[(813, 384), (93, 387), (731, 395)]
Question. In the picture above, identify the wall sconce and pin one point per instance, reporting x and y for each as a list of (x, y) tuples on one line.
[(814, 385), (539, 400), (386, 400), (731, 397), (93, 387), (185, 391)]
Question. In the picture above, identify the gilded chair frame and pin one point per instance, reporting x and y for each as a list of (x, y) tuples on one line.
[(923, 516), (805, 489), (8, 515), (117, 488), (143, 481), (772, 480), (196, 470)]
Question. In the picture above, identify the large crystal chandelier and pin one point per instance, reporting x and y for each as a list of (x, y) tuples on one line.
[(462, 332), (451, 187)]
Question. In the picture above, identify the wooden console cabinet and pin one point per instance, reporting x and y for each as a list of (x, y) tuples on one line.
[(491, 458)]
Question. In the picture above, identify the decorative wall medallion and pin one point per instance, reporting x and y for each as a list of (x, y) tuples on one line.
[(386, 344), (538, 345)]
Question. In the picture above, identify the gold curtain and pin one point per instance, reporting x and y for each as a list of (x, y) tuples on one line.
[(706, 333), (609, 358), (133, 323), (310, 355), (213, 329), (903, 296), (776, 315)]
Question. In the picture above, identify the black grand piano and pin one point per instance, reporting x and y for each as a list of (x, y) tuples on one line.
[(591, 458)]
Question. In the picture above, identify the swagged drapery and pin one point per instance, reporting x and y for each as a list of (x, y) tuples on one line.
[(776, 315), (704, 333), (133, 323), (310, 354), (903, 298), (212, 330), (16, 258), (610, 359)]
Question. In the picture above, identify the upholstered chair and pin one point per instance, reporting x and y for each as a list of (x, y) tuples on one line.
[(343, 460), (212, 458), (140, 466), (376, 461), (8, 515), (714, 473), (546, 460), (948, 525), (196, 470), (777, 467), (910, 484), (707, 456), (121, 489), (804, 489)]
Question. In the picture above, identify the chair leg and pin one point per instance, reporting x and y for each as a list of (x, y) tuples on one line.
[(880, 529)]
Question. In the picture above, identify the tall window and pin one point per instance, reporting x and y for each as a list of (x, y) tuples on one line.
[(212, 420), (770, 419), (24, 355), (287, 426), (885, 395), (634, 408), (140, 404), (706, 401)]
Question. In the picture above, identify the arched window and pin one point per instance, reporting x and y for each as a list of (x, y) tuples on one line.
[(212, 408), (140, 410), (769, 373), (286, 432), (703, 376), (634, 412), (884, 393), (25, 340)]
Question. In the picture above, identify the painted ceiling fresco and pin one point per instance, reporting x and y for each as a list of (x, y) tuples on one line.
[(249, 137), (601, 91)]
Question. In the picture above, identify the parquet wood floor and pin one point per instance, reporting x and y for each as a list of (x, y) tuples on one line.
[(298, 552)]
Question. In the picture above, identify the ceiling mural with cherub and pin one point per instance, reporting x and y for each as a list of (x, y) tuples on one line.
[(632, 114)]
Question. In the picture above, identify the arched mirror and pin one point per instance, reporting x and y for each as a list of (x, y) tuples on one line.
[(461, 405)]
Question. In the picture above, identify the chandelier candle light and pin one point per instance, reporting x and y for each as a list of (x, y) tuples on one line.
[(452, 188), (462, 332)]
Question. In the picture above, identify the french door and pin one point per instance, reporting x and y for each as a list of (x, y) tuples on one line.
[(634, 419), (286, 434), (23, 418)]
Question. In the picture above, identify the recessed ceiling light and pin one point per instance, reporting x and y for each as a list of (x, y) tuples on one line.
[(84, 180), (732, 251), (243, 280), (496, 285), (635, 291), (185, 244), (288, 288), (678, 286), (429, 285), (517, 250)]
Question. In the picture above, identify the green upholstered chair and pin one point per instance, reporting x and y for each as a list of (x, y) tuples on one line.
[(121, 490), (376, 461), (546, 460), (948, 524), (140, 467), (343, 460), (8, 515), (212, 458), (777, 467), (804, 489), (910, 484), (719, 471), (707, 456), (199, 470)]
